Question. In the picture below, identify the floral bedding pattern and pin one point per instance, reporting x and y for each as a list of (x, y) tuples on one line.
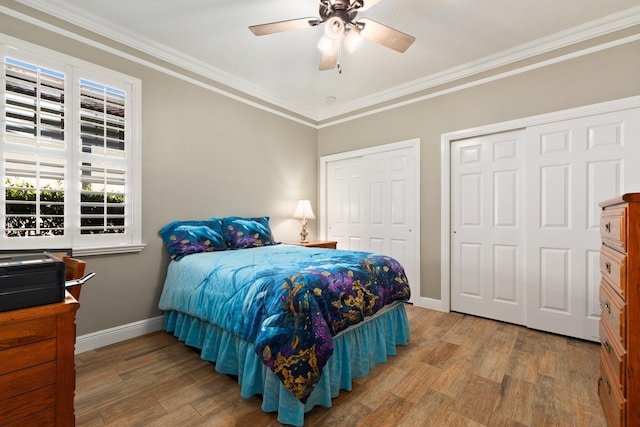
[(288, 300)]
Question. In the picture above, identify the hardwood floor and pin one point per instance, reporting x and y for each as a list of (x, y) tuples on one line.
[(457, 370)]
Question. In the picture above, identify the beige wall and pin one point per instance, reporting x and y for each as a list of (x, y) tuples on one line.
[(598, 77), (203, 155)]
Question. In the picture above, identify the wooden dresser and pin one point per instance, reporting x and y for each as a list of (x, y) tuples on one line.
[(619, 382), (37, 371)]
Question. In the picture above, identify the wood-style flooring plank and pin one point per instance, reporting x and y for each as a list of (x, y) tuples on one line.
[(516, 401), (458, 370), (479, 395)]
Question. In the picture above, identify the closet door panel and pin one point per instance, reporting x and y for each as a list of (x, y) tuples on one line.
[(573, 165), (487, 256)]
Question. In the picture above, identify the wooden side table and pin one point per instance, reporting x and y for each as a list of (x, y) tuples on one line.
[(329, 244), (37, 372)]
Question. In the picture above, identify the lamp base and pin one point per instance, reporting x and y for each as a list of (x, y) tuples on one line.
[(304, 233)]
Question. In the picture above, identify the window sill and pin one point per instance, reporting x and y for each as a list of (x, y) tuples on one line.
[(108, 250)]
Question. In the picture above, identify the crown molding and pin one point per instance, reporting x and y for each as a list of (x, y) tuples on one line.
[(599, 27), (478, 82), (89, 42), (581, 33), (128, 38)]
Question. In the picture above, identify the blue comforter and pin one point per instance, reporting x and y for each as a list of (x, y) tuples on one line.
[(287, 300)]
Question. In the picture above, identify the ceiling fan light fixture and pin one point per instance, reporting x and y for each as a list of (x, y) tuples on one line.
[(334, 28), (352, 39), (325, 44)]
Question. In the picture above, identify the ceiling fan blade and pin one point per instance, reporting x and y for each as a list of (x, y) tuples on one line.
[(329, 57), (368, 4), (282, 26), (386, 36)]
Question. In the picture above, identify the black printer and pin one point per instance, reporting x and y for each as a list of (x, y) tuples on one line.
[(30, 280)]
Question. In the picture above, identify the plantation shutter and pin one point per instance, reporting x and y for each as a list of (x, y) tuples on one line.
[(34, 147), (104, 159), (70, 155)]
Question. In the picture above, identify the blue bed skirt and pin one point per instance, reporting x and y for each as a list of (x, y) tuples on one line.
[(356, 351)]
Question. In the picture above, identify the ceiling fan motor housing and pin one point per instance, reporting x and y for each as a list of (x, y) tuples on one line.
[(342, 9)]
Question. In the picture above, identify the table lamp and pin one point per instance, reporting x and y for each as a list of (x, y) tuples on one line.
[(303, 212)]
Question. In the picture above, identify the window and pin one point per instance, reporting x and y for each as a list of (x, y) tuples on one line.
[(70, 155)]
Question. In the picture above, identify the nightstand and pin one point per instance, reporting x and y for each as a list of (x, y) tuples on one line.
[(317, 244)]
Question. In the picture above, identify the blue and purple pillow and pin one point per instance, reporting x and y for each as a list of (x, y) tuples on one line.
[(188, 237), (240, 233)]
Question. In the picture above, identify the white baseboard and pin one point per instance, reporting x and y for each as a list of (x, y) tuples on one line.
[(119, 333), (430, 303)]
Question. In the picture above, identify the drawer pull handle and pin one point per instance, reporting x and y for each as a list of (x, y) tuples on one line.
[(607, 307), (608, 385), (607, 266), (607, 346), (607, 227)]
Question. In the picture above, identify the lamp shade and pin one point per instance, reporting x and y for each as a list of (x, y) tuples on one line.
[(303, 210)]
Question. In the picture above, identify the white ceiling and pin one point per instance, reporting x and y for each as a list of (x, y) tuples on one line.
[(453, 38)]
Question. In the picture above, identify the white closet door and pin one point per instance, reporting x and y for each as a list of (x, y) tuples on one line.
[(524, 244), (487, 245), (390, 207), (345, 203), (371, 206), (572, 166)]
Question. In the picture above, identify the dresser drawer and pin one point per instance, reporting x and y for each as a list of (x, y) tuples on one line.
[(15, 408), (613, 403), (26, 380), (614, 309), (42, 418), (26, 332), (615, 356), (24, 356), (613, 227), (613, 266)]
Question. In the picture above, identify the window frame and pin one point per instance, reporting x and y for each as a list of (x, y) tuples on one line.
[(76, 70)]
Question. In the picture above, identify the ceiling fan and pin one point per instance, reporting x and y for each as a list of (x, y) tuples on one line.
[(339, 18)]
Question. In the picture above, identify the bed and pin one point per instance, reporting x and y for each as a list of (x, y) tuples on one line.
[(294, 324)]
